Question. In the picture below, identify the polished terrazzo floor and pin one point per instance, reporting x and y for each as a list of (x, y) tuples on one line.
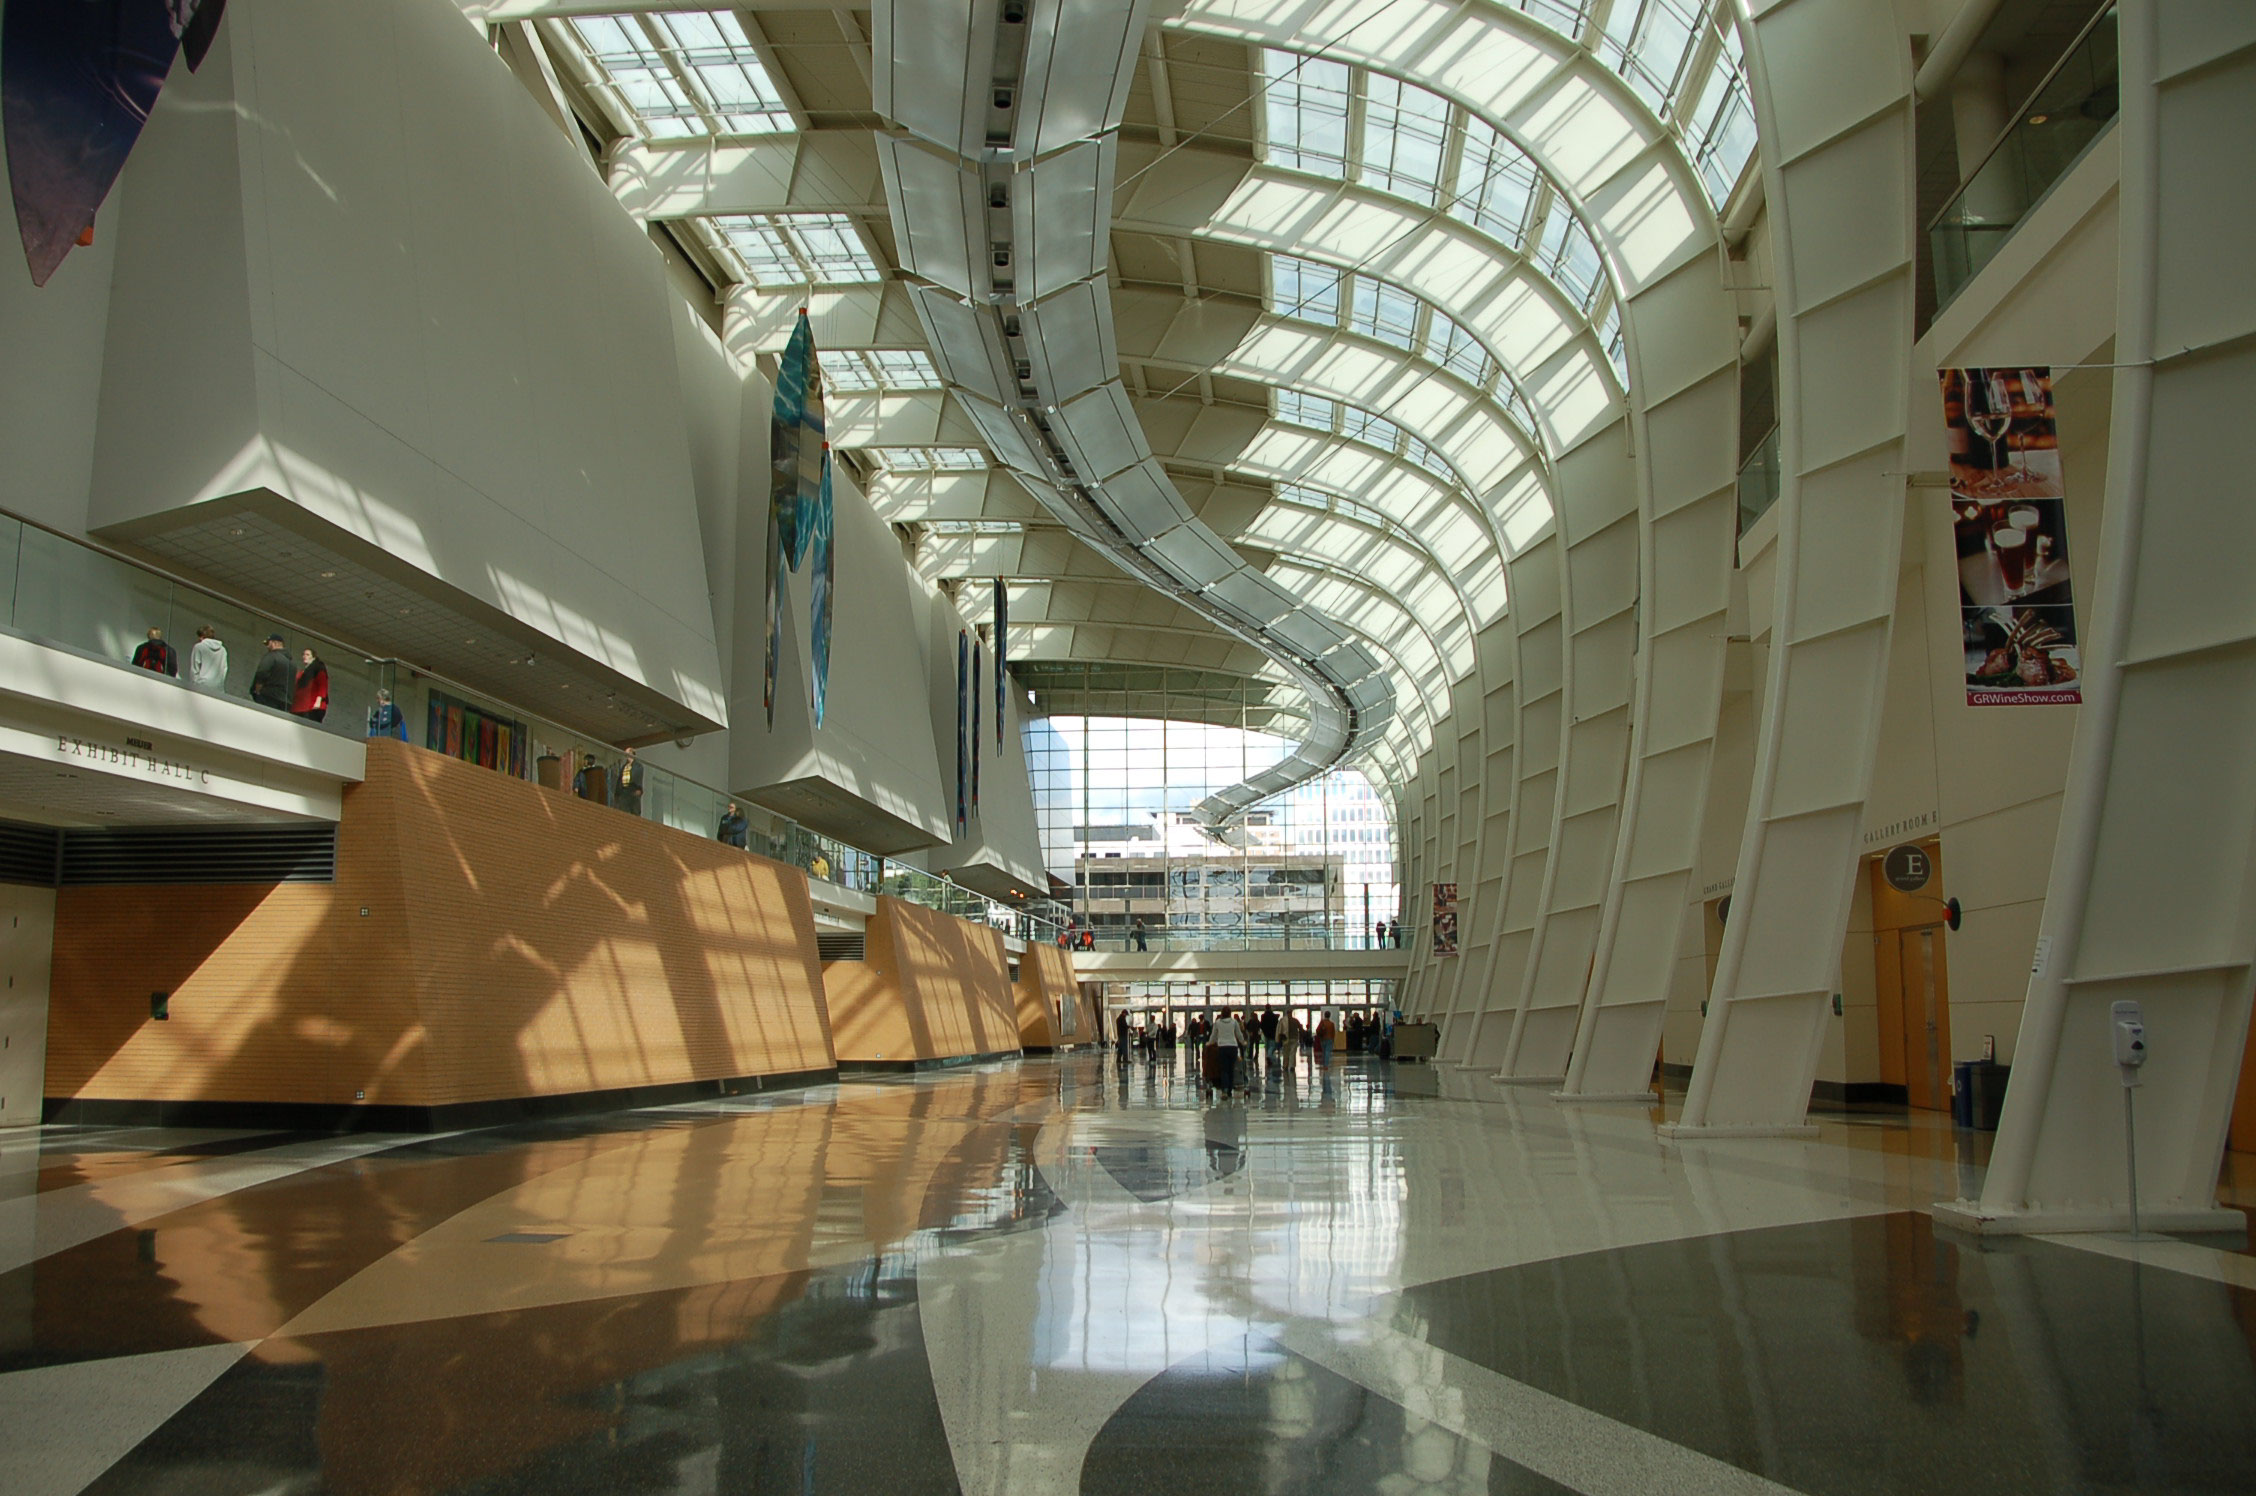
[(1068, 1276)]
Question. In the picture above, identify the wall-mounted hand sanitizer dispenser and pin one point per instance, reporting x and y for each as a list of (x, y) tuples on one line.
[(2128, 1027)]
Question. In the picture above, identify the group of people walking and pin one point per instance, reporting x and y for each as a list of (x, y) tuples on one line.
[(301, 690), (1228, 1046)]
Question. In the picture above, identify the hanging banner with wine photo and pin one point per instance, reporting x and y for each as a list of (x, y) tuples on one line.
[(2010, 518), (1445, 919)]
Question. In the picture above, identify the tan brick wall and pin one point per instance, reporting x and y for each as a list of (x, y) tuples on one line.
[(933, 987), (485, 938)]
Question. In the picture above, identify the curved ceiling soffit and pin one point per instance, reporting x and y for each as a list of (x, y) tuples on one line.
[(1482, 513), (1531, 326), (1427, 662), (1475, 541), (1000, 190), (1272, 530)]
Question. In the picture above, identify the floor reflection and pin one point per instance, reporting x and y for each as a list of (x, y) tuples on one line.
[(1098, 1267), (1872, 1355), (1253, 1417)]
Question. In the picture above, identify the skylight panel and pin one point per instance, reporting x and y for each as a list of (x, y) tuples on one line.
[(1405, 135), (685, 74), (1301, 409), (1304, 290), (1647, 42), (861, 369), (1494, 183), (1721, 126), (979, 527), (931, 459), (1563, 16), (1451, 346), (1385, 312), (1568, 253), (1304, 113), (798, 249)]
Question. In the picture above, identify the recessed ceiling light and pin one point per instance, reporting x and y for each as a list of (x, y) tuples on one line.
[(405, 611), (469, 641), (236, 531), (328, 576), (2038, 119)]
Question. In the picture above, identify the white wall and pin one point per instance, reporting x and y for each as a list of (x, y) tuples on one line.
[(51, 376), (356, 265)]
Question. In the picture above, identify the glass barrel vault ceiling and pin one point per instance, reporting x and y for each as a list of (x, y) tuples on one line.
[(694, 79)]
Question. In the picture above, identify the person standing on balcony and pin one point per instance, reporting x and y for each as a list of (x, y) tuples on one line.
[(310, 698), (207, 661), (735, 829), (1143, 942), (1394, 933), (156, 655), (627, 792), (386, 720), (272, 682)]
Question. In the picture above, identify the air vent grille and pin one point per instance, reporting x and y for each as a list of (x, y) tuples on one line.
[(841, 946), (27, 854), (235, 854)]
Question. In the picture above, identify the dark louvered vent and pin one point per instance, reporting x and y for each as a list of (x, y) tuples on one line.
[(839, 946), (27, 854), (232, 854)]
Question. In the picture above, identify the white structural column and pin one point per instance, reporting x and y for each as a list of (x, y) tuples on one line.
[(1832, 86), (1686, 403), (1539, 622), (2152, 880), (1598, 638)]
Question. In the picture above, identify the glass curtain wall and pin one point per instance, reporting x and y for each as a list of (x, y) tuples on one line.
[(1115, 796)]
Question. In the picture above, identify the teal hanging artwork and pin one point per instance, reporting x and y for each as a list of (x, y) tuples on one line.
[(799, 507)]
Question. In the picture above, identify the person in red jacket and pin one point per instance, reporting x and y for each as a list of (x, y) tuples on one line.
[(311, 699)]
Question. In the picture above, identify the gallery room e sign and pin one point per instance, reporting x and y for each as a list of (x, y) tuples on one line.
[(2010, 520)]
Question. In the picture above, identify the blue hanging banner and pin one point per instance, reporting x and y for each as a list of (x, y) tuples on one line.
[(78, 79), (978, 651), (798, 499), (823, 572), (963, 687), (1002, 656)]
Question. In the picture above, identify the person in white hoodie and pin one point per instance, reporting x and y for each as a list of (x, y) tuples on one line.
[(207, 662), (1228, 1037)]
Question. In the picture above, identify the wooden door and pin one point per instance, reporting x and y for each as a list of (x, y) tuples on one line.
[(1923, 1010)]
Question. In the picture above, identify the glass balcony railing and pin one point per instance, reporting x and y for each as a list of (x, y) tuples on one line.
[(67, 594), (1758, 481), (2074, 106)]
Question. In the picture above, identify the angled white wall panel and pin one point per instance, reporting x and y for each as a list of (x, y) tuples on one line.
[(2152, 897), (1837, 149)]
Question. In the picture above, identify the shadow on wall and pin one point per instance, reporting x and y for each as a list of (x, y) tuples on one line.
[(933, 987), (486, 939)]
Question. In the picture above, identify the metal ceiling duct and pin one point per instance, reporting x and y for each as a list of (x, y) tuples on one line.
[(1000, 184)]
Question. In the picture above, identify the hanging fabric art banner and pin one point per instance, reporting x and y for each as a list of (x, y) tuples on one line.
[(822, 572), (78, 79), (978, 652), (963, 685), (799, 509), (2009, 516), (1002, 656)]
